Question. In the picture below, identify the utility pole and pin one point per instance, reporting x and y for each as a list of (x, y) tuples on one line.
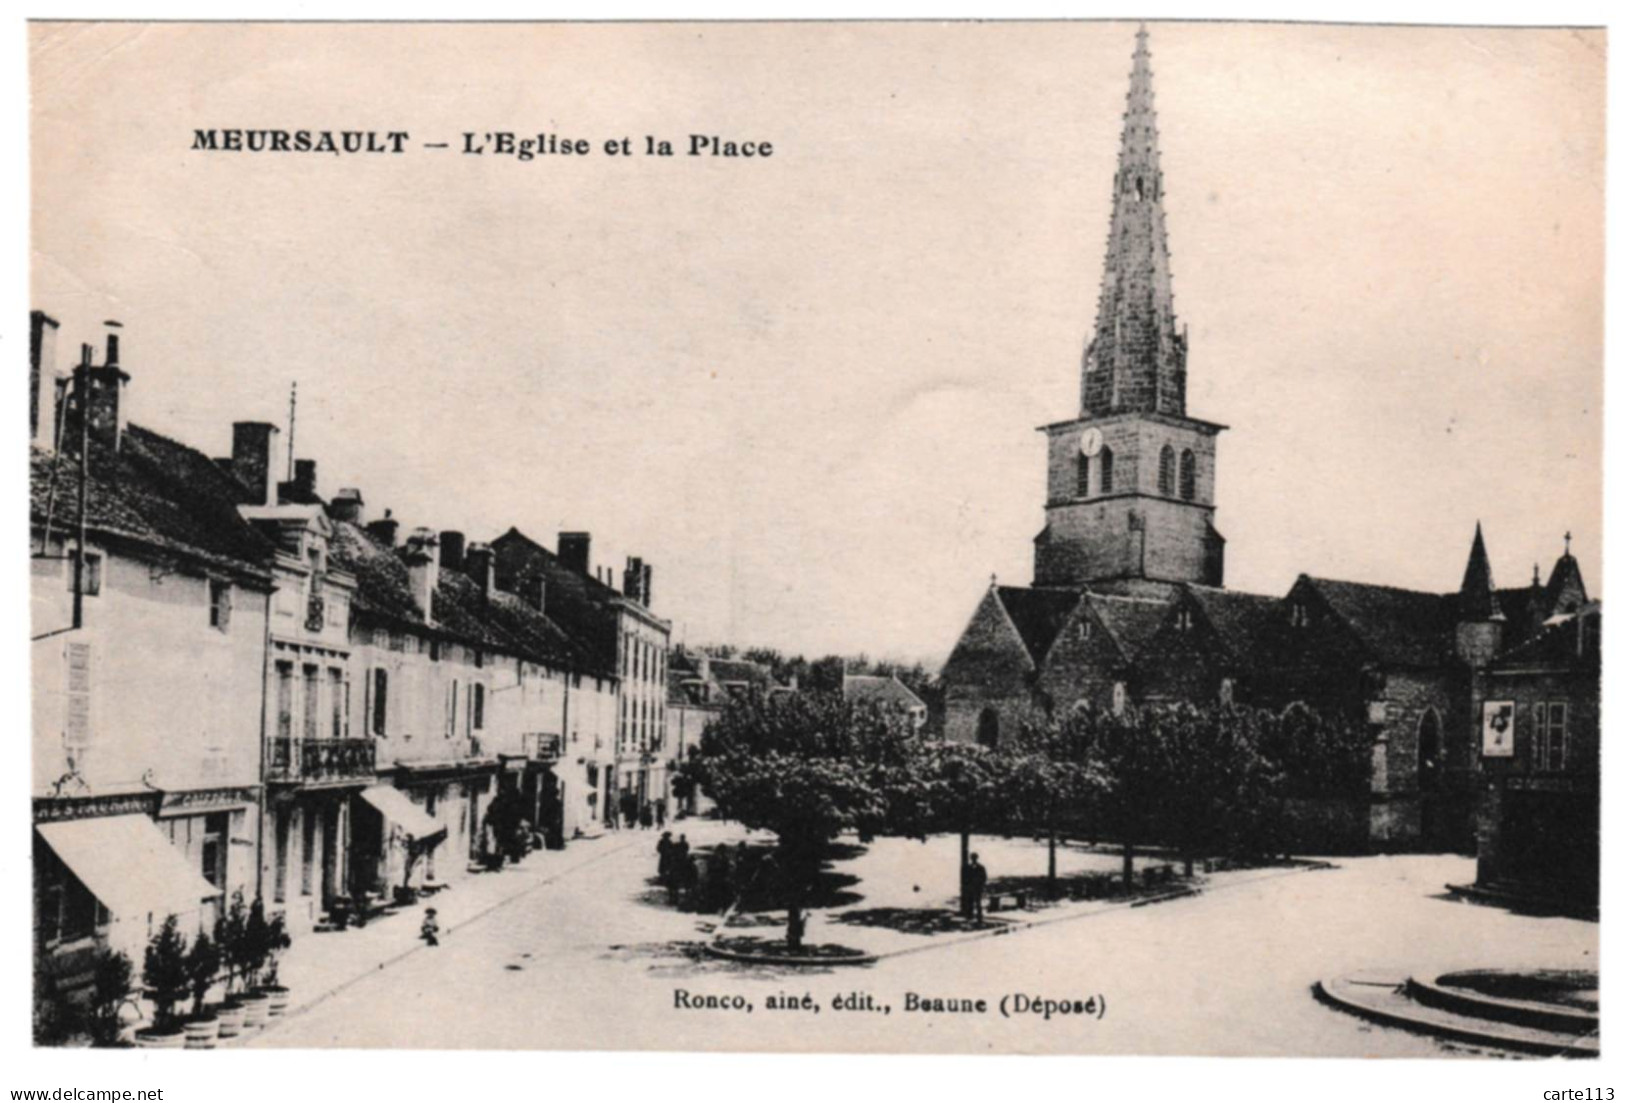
[(81, 390)]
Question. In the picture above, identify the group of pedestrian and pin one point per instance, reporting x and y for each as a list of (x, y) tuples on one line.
[(506, 833), (630, 812), (502, 843), (708, 885), (676, 868)]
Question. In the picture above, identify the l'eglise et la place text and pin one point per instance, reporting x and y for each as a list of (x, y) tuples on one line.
[(496, 143)]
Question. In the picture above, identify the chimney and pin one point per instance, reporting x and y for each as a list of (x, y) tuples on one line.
[(347, 506), (103, 397), (648, 585), (609, 577), (451, 550), (253, 446), (42, 385), (383, 530), (632, 578), (304, 477), (422, 569), (575, 551), (477, 563)]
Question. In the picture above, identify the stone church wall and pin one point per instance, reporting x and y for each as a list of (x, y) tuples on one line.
[(989, 668)]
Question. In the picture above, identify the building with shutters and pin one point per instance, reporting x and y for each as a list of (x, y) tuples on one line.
[(314, 763), (150, 598), (623, 750), (467, 691), (243, 686)]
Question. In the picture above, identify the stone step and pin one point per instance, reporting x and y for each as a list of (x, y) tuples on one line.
[(1429, 992), (1388, 1003)]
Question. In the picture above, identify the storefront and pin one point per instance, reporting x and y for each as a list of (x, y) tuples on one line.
[(115, 879), (394, 841), (309, 850), (454, 795)]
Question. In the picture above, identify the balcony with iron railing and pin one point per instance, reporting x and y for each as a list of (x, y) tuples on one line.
[(321, 760)]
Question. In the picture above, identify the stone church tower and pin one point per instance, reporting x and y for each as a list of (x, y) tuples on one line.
[(1130, 501)]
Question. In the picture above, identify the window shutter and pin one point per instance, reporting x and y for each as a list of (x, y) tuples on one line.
[(380, 701), (1539, 753), (220, 600), (77, 728), (1557, 731)]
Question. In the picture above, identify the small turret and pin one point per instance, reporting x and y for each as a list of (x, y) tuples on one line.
[(1480, 625), (1565, 589)]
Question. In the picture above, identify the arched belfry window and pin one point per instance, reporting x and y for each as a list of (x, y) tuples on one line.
[(1105, 470), (1187, 475), (1139, 188), (1165, 472), (987, 728), (1083, 476)]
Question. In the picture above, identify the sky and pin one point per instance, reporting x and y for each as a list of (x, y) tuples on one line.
[(805, 387)]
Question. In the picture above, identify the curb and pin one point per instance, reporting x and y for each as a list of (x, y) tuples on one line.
[(712, 949), (1014, 927)]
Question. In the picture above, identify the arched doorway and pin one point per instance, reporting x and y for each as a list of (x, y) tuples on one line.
[(987, 728)]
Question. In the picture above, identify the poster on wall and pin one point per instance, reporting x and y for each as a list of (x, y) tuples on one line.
[(1499, 721)]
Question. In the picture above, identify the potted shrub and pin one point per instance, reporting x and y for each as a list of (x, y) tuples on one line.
[(228, 936), (56, 1020), (111, 984), (276, 941), (254, 951), (202, 967), (163, 973)]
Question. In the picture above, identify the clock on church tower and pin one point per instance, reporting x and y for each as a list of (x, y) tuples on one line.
[(1130, 503)]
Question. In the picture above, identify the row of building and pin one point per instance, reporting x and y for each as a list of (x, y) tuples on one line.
[(240, 684), (1480, 703)]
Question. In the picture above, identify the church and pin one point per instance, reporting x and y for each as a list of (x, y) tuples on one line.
[(1128, 603)]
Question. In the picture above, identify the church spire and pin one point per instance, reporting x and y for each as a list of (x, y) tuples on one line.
[(1136, 359), (1477, 585)]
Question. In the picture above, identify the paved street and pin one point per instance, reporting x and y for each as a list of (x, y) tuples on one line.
[(586, 961)]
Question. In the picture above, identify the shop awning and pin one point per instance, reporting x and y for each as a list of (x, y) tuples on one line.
[(128, 864), (402, 812)]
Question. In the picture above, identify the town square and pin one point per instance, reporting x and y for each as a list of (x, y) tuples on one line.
[(1212, 993)]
